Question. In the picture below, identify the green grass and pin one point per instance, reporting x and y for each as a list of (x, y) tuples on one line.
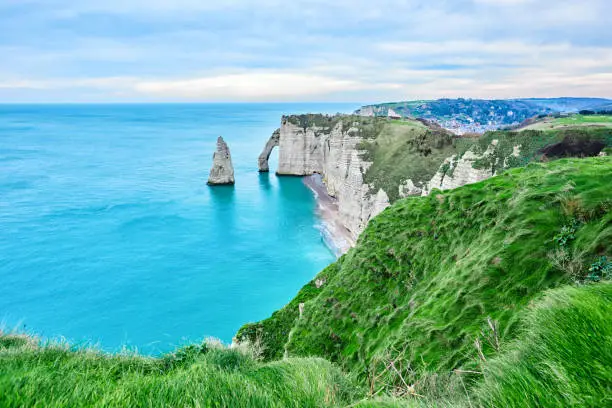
[(530, 142), (273, 332), (572, 121), (585, 119), (404, 150), (407, 149), (563, 358), (429, 272), (33, 375)]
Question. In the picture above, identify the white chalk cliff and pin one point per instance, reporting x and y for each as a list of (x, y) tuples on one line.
[(331, 148), (262, 161), (459, 171), (331, 151), (222, 171)]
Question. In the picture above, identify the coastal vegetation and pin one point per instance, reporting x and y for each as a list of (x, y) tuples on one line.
[(439, 286), (480, 115), (577, 120), (403, 150), (199, 375), (407, 149)]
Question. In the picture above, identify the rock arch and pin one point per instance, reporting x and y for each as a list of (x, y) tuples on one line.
[(262, 161)]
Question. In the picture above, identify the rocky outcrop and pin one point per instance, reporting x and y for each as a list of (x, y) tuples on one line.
[(470, 168), (262, 161), (330, 146), (408, 188), (222, 171), (331, 149)]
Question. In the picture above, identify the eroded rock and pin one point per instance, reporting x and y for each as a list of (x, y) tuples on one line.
[(262, 161), (222, 171)]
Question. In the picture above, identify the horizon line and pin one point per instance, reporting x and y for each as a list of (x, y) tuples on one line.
[(286, 102)]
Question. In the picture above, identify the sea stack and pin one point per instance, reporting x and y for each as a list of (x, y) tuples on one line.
[(222, 171)]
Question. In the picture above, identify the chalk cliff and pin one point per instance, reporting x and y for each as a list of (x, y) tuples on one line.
[(329, 147), (471, 167), (222, 171), (262, 161), (335, 147)]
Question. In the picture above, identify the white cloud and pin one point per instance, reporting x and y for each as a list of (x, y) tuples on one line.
[(246, 86), (252, 86), (306, 49)]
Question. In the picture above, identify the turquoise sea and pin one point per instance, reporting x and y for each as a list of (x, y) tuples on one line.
[(110, 236)]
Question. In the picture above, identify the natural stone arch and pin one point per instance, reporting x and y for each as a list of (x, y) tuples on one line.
[(262, 161)]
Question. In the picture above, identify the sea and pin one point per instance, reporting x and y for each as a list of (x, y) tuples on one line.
[(110, 237)]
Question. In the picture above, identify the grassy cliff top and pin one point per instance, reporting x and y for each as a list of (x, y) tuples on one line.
[(402, 150), (601, 121), (561, 357), (398, 149), (35, 375), (413, 149), (431, 276)]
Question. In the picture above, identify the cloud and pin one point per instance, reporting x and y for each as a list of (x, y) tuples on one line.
[(247, 86), (251, 86), (302, 50)]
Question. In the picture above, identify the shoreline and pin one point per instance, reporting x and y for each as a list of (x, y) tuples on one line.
[(335, 235)]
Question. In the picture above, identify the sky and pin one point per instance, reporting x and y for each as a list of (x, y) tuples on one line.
[(302, 50)]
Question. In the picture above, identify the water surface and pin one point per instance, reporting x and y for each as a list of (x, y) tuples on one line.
[(109, 234)]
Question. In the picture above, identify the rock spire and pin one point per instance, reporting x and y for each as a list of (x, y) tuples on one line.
[(222, 171)]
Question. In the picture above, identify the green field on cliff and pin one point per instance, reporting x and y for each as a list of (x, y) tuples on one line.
[(440, 284), (544, 367), (402, 150), (594, 121), (495, 294), (398, 149), (38, 375)]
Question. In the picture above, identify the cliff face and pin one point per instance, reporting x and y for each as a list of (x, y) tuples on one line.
[(331, 149), (262, 161), (470, 168), (222, 171), (343, 149)]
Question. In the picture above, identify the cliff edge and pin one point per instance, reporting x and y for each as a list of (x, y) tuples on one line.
[(354, 156), (368, 163)]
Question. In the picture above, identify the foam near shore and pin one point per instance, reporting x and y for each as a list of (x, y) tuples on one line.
[(335, 235)]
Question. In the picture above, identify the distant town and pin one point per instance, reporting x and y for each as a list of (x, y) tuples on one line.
[(462, 116)]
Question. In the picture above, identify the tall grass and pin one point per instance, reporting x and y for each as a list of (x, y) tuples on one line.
[(33, 375), (431, 275), (563, 358)]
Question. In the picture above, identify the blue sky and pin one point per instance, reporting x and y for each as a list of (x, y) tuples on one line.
[(310, 50)]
